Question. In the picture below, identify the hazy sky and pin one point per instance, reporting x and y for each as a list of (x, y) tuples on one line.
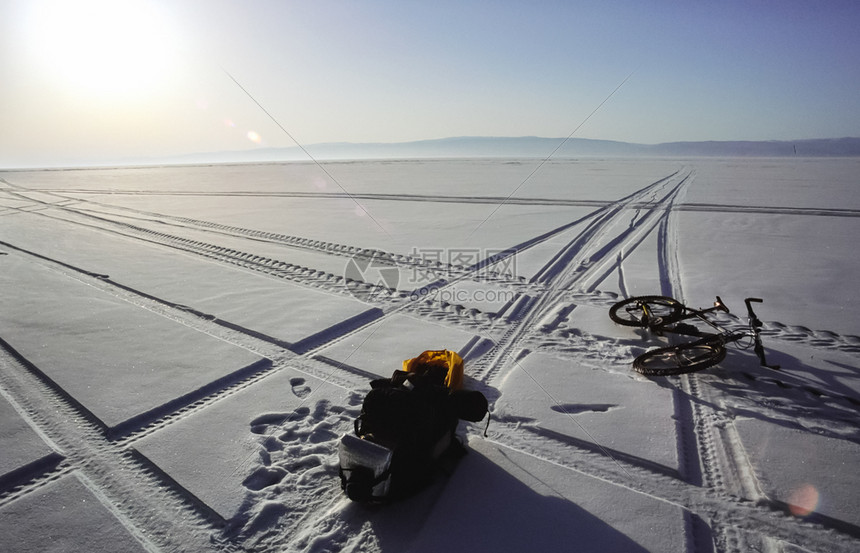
[(103, 80)]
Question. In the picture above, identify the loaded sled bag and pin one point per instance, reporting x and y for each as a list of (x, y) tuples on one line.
[(406, 429)]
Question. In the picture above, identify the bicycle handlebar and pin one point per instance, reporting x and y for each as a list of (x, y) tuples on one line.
[(756, 324), (750, 309)]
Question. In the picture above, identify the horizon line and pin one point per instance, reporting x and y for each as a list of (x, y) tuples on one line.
[(636, 149)]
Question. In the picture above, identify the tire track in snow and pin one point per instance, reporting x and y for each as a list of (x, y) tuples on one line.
[(488, 363), (721, 509), (388, 298), (472, 319), (710, 449), (667, 247), (107, 215), (608, 255), (280, 356), (695, 421), (709, 459), (150, 508), (589, 252), (601, 222), (492, 200), (136, 465), (660, 217), (265, 265), (709, 504)]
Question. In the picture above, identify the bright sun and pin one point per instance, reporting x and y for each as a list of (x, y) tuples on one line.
[(105, 48)]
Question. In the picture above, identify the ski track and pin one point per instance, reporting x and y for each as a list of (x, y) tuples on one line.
[(715, 483)]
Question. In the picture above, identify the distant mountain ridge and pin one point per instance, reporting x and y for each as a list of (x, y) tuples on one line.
[(489, 147), (534, 147)]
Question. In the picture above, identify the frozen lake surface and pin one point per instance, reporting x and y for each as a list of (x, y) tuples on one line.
[(182, 347)]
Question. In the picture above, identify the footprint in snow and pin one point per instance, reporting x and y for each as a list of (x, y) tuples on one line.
[(298, 446), (299, 387), (297, 465), (577, 408), (264, 477), (261, 423)]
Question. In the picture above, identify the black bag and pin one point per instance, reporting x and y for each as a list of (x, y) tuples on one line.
[(404, 434)]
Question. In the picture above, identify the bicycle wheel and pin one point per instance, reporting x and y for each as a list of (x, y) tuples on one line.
[(630, 312), (681, 359)]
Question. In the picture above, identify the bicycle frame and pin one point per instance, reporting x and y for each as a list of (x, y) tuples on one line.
[(689, 313)]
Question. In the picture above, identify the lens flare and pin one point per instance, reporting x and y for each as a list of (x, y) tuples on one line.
[(803, 501), (254, 137)]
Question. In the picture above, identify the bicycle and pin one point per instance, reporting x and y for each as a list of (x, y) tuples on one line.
[(662, 314)]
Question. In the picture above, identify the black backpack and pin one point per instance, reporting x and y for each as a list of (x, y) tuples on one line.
[(405, 434)]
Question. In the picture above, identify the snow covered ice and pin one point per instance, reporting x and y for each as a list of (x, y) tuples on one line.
[(181, 349)]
